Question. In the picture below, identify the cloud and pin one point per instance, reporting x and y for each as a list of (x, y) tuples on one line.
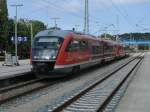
[(72, 6), (77, 6)]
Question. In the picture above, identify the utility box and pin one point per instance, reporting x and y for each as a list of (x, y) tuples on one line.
[(10, 60), (15, 60)]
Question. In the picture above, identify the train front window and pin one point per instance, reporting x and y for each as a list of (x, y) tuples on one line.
[(46, 48)]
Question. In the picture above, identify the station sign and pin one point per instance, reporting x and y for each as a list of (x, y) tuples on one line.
[(20, 39)]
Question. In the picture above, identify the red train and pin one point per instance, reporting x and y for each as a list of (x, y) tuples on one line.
[(56, 53)]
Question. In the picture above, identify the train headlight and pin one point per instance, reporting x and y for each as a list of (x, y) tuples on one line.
[(47, 57), (53, 57), (35, 57)]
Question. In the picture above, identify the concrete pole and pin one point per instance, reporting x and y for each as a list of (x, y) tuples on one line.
[(16, 38)]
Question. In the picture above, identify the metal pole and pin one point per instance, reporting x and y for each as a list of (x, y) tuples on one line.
[(117, 22), (0, 11), (16, 38), (76, 27), (55, 21), (130, 39), (86, 18), (31, 33), (105, 35)]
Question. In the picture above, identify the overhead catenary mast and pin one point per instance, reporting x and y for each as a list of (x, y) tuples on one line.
[(117, 27), (55, 21), (86, 18)]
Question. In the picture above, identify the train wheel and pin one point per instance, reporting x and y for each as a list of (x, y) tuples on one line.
[(103, 61), (75, 70)]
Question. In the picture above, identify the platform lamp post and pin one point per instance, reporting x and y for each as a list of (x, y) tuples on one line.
[(0, 10), (16, 38), (31, 29)]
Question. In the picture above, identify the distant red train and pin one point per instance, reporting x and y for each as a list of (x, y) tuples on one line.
[(56, 53)]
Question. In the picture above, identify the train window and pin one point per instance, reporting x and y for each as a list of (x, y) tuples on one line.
[(46, 48), (108, 48), (100, 48), (69, 47), (83, 45), (47, 42), (76, 45), (73, 46), (97, 48)]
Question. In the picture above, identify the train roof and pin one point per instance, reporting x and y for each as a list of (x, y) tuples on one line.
[(54, 32), (63, 33), (60, 33)]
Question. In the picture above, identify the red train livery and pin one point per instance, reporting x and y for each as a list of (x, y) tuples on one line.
[(56, 53)]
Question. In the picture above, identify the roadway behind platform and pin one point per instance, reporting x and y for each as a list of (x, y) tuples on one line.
[(137, 96)]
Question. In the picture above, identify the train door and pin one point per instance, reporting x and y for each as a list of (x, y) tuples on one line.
[(84, 51), (70, 52)]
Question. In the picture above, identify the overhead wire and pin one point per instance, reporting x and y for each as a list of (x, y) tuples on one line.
[(60, 8), (120, 12), (123, 8)]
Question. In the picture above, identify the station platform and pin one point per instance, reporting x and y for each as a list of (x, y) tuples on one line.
[(13, 71), (137, 95)]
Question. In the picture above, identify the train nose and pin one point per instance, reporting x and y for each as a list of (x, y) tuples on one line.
[(43, 67)]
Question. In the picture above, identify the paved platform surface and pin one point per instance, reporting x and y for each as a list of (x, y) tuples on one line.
[(137, 96), (12, 71)]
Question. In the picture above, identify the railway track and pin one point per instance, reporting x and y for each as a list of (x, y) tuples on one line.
[(21, 89), (101, 95)]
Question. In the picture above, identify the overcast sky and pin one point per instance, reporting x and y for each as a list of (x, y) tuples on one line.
[(133, 15)]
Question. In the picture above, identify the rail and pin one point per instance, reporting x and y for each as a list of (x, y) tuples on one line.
[(72, 103)]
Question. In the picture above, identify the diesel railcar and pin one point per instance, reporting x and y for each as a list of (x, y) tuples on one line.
[(56, 53)]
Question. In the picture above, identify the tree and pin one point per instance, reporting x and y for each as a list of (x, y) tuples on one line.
[(3, 25), (108, 36), (37, 26), (135, 36)]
